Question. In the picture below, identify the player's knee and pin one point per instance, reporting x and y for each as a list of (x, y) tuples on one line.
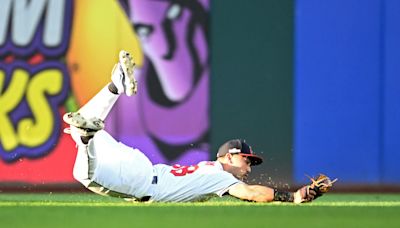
[(81, 176), (77, 138), (77, 174)]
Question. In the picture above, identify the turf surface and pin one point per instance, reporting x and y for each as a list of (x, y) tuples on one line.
[(89, 210)]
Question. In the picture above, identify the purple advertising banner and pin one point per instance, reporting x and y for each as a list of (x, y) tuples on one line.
[(169, 118), (56, 55)]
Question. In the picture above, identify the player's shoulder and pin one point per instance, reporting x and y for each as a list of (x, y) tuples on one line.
[(207, 163), (210, 167)]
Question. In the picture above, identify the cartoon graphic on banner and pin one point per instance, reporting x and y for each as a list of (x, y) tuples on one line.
[(171, 111), (56, 54)]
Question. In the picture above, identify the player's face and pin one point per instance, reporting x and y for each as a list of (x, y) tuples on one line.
[(240, 166)]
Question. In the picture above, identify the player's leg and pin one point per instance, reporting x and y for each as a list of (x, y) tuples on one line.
[(83, 166), (89, 119), (102, 164), (108, 167), (84, 171), (118, 167), (123, 81)]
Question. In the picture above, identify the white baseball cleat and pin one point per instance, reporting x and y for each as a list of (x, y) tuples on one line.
[(122, 74), (85, 127)]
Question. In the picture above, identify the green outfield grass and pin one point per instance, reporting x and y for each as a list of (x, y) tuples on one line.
[(89, 210)]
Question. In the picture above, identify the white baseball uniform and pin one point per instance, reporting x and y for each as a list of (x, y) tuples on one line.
[(108, 167), (128, 173)]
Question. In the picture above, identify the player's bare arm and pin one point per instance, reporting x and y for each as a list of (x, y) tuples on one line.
[(259, 193)]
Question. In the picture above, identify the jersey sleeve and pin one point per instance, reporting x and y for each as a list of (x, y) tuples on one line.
[(225, 190), (220, 182)]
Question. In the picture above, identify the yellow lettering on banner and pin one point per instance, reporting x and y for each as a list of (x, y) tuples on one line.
[(9, 100), (34, 132)]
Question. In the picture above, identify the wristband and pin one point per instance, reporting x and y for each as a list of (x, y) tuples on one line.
[(283, 196)]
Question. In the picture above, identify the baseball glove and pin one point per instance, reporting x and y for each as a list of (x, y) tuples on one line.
[(321, 184), (317, 188)]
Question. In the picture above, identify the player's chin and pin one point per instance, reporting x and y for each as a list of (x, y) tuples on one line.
[(244, 177)]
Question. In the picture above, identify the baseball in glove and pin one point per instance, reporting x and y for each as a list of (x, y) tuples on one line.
[(317, 188), (321, 184)]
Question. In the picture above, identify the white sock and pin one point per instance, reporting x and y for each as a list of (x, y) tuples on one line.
[(100, 105)]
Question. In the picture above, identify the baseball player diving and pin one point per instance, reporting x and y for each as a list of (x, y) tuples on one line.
[(108, 167)]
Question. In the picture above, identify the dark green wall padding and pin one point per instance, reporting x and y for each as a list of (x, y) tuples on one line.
[(251, 82)]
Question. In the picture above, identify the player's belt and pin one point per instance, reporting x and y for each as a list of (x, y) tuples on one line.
[(155, 180), (105, 191), (147, 198), (144, 199)]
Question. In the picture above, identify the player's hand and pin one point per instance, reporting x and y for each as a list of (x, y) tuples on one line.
[(318, 186), (305, 194)]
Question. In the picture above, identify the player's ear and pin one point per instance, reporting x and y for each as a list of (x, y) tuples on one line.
[(229, 157)]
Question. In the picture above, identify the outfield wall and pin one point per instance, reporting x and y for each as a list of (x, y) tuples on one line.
[(347, 90), (312, 85), (252, 82)]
